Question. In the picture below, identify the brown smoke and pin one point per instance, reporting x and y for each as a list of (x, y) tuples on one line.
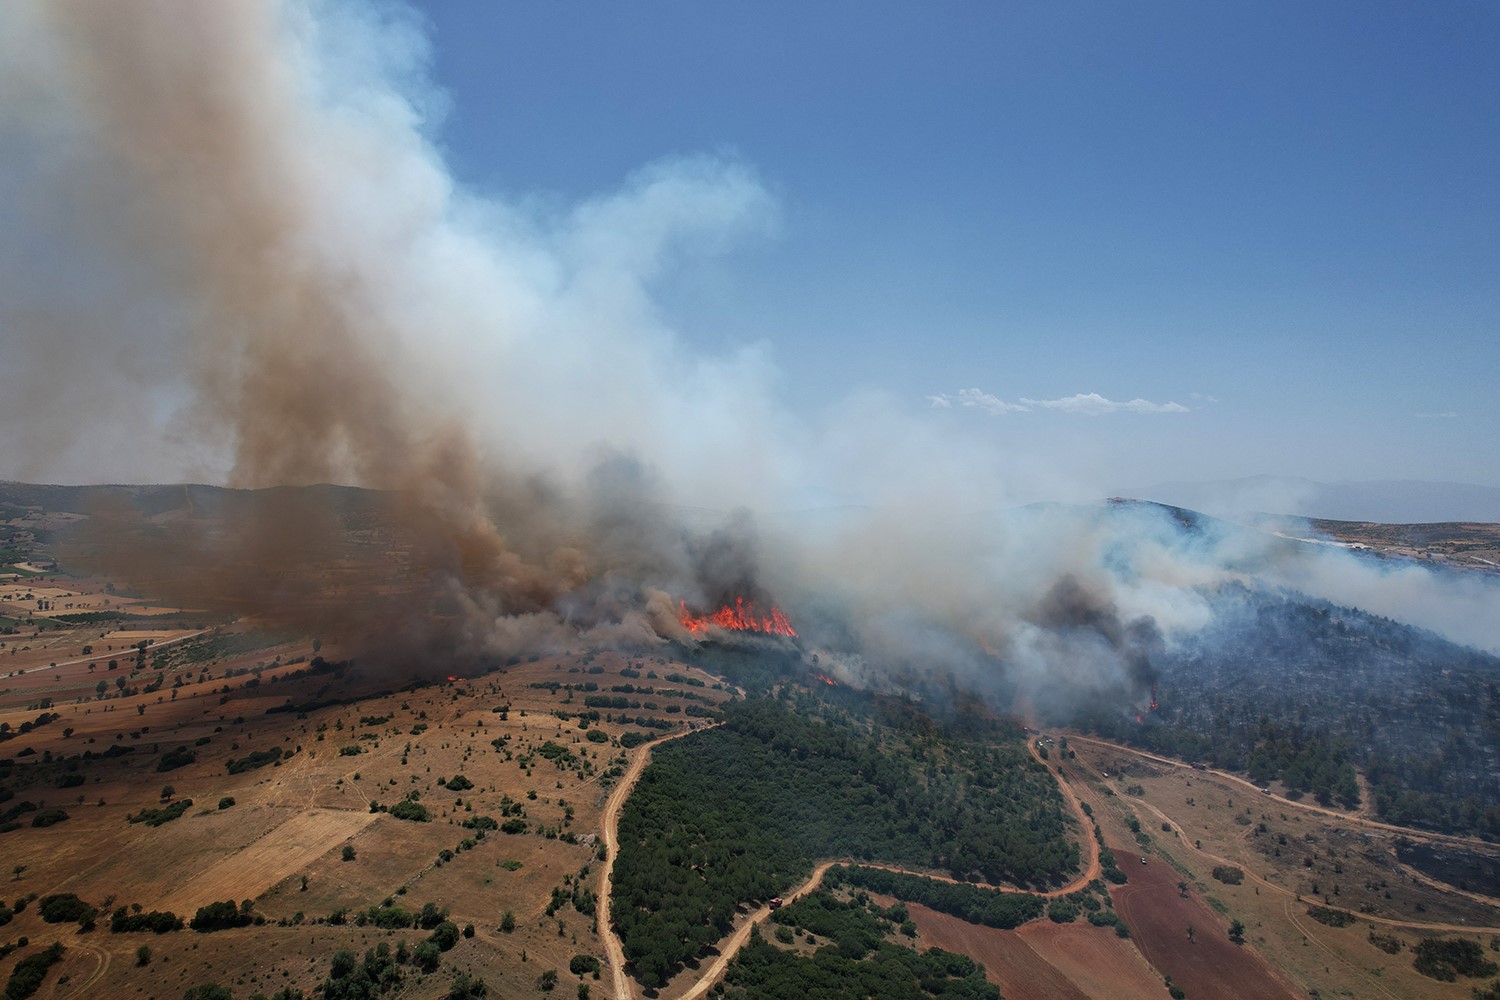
[(291, 354), (233, 224)]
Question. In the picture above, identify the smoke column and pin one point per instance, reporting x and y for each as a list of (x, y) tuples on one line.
[(233, 253)]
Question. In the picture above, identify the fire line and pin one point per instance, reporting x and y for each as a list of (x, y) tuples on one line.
[(741, 616)]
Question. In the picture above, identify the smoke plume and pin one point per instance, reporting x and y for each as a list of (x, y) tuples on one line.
[(233, 253)]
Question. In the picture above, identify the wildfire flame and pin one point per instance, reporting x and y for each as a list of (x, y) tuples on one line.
[(741, 616)]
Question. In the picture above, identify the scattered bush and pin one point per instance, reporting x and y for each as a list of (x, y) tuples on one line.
[(413, 811), (26, 978), (1446, 959), (156, 817), (156, 921), (221, 916), (1229, 874), (1331, 917), (64, 907), (259, 758), (48, 817)]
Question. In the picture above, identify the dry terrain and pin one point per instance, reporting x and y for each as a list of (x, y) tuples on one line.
[(329, 745), (1292, 856), (153, 709)]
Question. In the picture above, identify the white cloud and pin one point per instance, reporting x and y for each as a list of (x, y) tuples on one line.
[(1092, 404), (1088, 403), (976, 399), (993, 405)]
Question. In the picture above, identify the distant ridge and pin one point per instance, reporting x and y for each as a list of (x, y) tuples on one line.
[(1392, 501)]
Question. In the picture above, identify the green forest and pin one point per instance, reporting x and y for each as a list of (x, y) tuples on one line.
[(988, 907), (731, 816), (854, 959), (1261, 690)]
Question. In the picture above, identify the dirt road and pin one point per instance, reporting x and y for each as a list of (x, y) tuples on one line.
[(92, 659), (1186, 842), (708, 975), (1352, 818), (1093, 869), (609, 825), (731, 946)]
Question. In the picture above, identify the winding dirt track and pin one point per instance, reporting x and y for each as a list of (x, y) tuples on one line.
[(710, 974), (1347, 817), (609, 824), (1186, 843)]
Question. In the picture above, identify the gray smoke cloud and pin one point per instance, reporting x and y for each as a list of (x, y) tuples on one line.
[(233, 253)]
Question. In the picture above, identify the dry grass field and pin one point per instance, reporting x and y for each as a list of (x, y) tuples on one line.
[(1293, 857), (293, 768), (312, 750)]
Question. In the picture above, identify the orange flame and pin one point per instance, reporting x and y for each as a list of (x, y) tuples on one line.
[(739, 617)]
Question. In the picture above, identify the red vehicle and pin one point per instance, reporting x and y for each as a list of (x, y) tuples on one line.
[(775, 904)]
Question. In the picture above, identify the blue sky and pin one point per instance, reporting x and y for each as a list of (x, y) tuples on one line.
[(1282, 217)]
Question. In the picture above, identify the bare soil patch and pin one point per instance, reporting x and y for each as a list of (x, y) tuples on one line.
[(1210, 967), (1045, 961), (284, 851)]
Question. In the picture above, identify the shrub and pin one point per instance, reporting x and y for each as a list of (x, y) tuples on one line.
[(208, 991), (221, 916), (173, 759), (388, 917), (445, 935), (1448, 958), (64, 907), (156, 817), (1330, 916), (48, 817), (426, 956), (1229, 874), (413, 811), (226, 802), (156, 921), (582, 965), (259, 758), (26, 978)]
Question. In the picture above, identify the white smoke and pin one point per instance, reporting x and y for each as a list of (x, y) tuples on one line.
[(233, 252)]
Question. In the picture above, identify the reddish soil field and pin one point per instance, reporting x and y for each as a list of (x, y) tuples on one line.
[(1210, 969), (1045, 961)]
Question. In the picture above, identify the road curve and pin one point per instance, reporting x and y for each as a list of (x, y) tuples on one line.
[(1186, 843), (731, 946), (1093, 869), (609, 827), (624, 989), (1354, 818)]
